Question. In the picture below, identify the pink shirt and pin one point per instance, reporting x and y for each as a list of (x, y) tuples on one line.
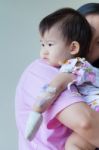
[(52, 134)]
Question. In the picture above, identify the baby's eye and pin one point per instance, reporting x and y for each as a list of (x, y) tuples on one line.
[(50, 44), (42, 44)]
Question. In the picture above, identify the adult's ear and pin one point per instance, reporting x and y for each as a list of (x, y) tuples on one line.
[(74, 48)]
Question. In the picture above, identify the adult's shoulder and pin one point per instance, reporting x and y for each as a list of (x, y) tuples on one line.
[(39, 69), (40, 65)]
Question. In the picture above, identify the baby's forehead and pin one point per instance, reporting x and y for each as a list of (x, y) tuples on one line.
[(53, 32), (55, 27)]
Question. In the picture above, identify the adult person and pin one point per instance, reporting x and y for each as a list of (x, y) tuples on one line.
[(85, 123), (91, 12)]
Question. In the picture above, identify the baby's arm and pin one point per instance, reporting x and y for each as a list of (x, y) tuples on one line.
[(61, 81), (52, 91)]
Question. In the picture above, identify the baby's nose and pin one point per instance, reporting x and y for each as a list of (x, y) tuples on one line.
[(45, 51)]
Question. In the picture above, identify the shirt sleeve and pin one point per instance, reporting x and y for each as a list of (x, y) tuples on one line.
[(67, 98), (83, 72)]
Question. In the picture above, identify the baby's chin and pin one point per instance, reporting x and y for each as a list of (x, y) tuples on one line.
[(53, 64), (57, 65), (46, 61)]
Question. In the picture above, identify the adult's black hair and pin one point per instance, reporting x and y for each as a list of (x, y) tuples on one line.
[(72, 25), (87, 9)]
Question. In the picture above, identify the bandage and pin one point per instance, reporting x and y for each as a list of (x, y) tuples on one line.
[(33, 123)]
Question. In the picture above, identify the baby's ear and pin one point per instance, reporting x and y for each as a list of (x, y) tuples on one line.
[(74, 48)]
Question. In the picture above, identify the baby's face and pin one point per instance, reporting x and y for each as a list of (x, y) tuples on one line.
[(53, 47), (94, 48)]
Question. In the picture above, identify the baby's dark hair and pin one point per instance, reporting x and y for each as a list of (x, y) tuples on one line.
[(72, 25)]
